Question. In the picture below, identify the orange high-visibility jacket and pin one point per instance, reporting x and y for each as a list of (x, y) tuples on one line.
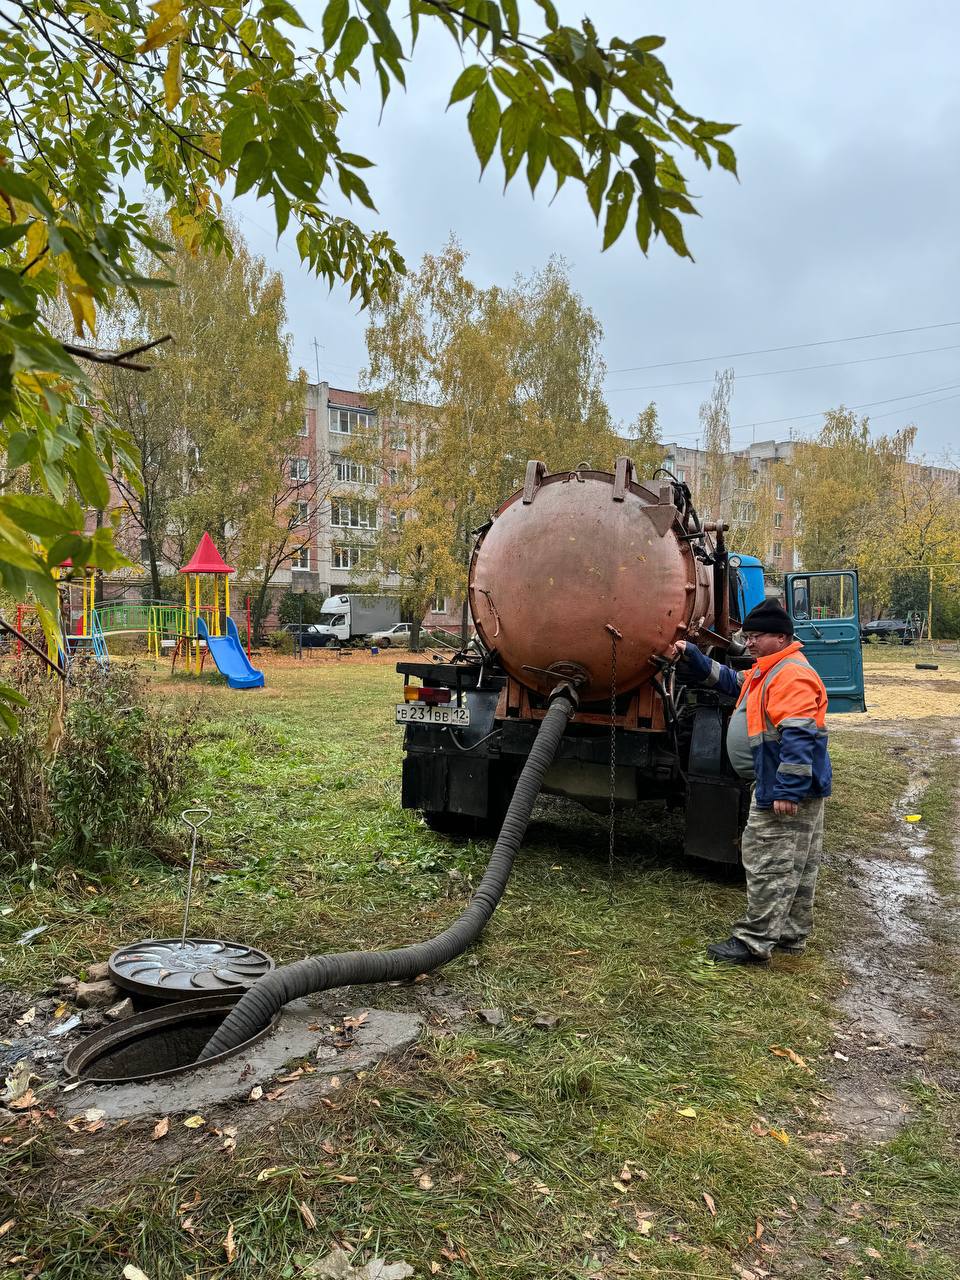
[(786, 707)]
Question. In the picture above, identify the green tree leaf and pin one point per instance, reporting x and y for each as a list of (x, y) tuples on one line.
[(484, 121)]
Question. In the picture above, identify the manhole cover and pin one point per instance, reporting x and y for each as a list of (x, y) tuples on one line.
[(169, 969)]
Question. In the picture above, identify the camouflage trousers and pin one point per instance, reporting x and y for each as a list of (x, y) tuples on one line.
[(781, 858)]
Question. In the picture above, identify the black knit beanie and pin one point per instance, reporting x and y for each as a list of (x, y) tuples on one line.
[(769, 617)]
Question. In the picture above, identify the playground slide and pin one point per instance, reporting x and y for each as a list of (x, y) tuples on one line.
[(228, 653)]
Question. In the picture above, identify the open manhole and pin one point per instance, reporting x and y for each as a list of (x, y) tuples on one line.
[(158, 1044), (184, 968)]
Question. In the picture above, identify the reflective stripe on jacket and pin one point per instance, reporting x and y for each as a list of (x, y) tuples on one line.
[(786, 707)]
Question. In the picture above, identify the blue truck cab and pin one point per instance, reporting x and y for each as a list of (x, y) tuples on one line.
[(747, 585), (825, 609)]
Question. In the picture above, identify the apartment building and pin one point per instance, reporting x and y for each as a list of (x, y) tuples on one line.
[(744, 470)]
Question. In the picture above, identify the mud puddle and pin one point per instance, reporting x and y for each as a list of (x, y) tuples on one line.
[(890, 1005)]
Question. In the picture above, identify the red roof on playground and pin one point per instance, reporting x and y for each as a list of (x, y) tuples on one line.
[(206, 559)]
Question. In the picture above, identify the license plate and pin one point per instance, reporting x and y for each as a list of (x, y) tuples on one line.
[(427, 713)]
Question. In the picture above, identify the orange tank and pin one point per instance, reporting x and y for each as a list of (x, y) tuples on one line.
[(577, 553)]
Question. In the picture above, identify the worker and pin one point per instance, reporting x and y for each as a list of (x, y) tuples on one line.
[(777, 740)]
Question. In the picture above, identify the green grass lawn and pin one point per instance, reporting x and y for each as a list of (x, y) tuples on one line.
[(648, 1134)]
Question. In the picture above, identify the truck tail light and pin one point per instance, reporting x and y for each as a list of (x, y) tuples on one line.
[(424, 694)]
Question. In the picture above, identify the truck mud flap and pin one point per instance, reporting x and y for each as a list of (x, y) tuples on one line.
[(442, 784), (714, 819)]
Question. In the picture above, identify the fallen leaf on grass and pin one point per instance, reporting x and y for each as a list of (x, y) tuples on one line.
[(792, 1055), (626, 1174), (266, 1174), (711, 1204), (873, 1253), (347, 1177), (841, 1172), (23, 1102), (644, 1222), (435, 1268), (229, 1244), (337, 1266), (256, 1093), (193, 1122), (28, 1017), (358, 1021), (130, 1272), (689, 1112), (160, 1129), (6, 1226), (306, 1213), (425, 1182)]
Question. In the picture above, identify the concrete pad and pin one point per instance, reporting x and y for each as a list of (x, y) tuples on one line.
[(300, 1033)]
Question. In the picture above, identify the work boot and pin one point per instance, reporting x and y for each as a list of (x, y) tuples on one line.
[(733, 951)]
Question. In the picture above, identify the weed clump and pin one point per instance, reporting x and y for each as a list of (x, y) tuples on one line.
[(92, 771)]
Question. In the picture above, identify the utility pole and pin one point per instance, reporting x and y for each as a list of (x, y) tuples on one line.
[(316, 356)]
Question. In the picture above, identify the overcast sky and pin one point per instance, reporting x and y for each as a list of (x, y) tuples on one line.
[(845, 222)]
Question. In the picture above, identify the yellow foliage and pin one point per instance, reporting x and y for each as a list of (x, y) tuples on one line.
[(172, 77), (166, 27)]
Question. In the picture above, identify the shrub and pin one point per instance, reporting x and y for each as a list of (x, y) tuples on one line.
[(280, 642), (92, 771)]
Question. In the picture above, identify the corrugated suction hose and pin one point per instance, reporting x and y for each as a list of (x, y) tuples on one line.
[(320, 973)]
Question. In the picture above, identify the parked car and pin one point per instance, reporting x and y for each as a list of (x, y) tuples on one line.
[(890, 629), (307, 634), (399, 633)]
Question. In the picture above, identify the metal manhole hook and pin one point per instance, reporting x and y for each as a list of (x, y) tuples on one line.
[(194, 819)]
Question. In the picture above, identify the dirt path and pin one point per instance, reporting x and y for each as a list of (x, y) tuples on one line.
[(892, 1007), (895, 1015)]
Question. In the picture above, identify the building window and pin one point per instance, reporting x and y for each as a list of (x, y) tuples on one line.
[(299, 470), (301, 558), (356, 472), (352, 513), (398, 438), (305, 425), (344, 422), (394, 475), (301, 513), (778, 519), (440, 604), (348, 556), (681, 474), (778, 551), (746, 512), (780, 492), (396, 520)]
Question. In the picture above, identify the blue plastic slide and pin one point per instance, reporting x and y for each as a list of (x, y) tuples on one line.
[(227, 652)]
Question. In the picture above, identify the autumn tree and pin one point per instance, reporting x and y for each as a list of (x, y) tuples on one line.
[(219, 422), (485, 379), (843, 483), (197, 101), (915, 538), (715, 479), (642, 442)]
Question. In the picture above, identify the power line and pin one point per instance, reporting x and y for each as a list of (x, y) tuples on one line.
[(803, 368), (817, 413), (764, 351)]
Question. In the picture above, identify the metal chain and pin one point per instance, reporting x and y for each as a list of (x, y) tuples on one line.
[(614, 637)]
